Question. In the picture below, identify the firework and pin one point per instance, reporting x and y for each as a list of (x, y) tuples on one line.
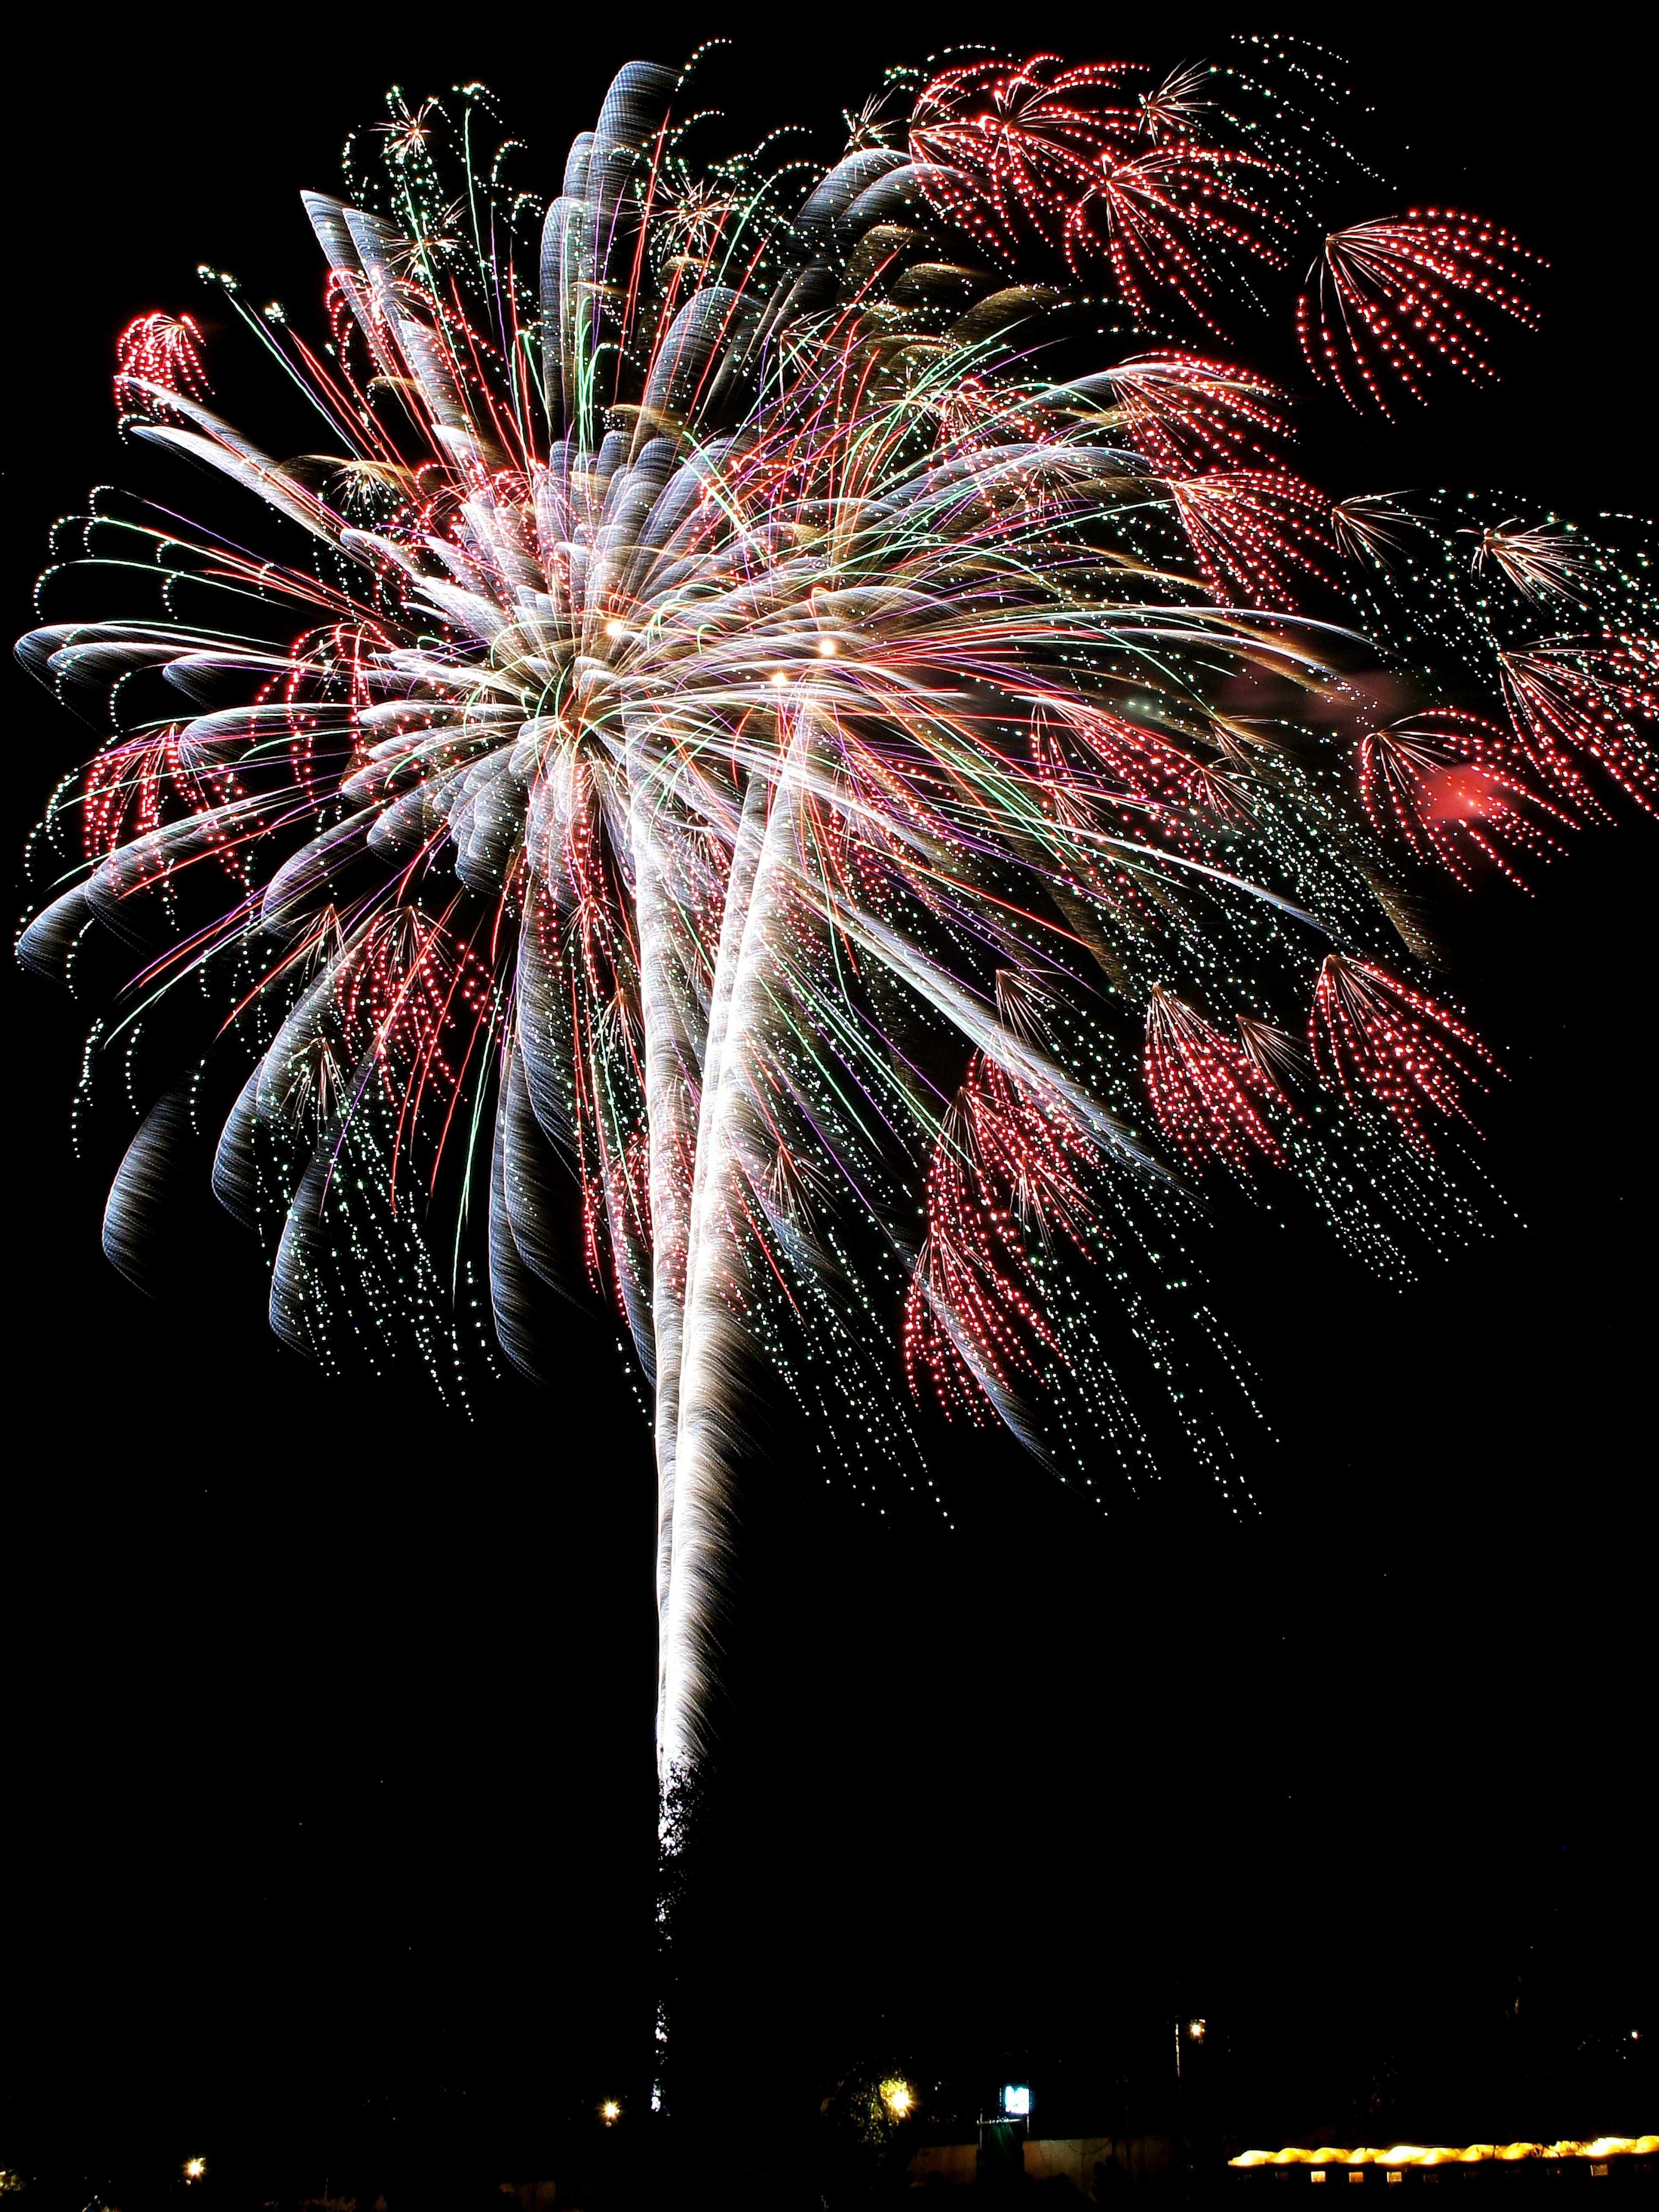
[(838, 789), (1394, 300), (1105, 162)]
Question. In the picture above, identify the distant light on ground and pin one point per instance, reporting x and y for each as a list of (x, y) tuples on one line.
[(1471, 2153)]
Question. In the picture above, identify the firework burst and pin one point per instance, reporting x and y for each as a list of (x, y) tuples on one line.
[(1394, 300), (835, 802)]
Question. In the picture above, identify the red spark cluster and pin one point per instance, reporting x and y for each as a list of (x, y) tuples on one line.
[(1394, 300), (1007, 1170), (161, 351), (1454, 786), (1182, 412), (1101, 162), (1380, 1043), (1207, 1091), (1255, 533), (1592, 697)]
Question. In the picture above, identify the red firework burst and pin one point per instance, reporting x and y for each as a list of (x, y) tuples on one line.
[(1130, 767), (1204, 1090), (1254, 532), (159, 349), (128, 788), (1181, 412), (1378, 1042), (1098, 162), (1391, 301), (1005, 1166), (1455, 786), (414, 997), (1597, 697)]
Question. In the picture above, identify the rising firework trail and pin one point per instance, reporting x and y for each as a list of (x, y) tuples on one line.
[(800, 750)]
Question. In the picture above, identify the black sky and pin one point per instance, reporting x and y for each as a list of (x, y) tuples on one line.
[(326, 1768)]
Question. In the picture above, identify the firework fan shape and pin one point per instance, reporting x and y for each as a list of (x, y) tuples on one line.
[(844, 792), (1392, 301)]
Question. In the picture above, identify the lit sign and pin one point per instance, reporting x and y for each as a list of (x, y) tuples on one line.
[(1017, 2101)]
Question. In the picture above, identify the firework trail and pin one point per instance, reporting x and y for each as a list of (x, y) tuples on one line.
[(846, 791)]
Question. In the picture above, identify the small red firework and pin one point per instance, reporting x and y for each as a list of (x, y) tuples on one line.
[(126, 790), (416, 1000), (1181, 412), (1011, 141), (1127, 764), (1378, 1042), (1156, 219), (1254, 532), (1005, 1165), (1394, 300), (1594, 696), (160, 350), (1206, 1091), (1453, 785)]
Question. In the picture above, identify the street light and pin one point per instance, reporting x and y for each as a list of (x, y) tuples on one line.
[(194, 2168), (610, 2112), (899, 2098)]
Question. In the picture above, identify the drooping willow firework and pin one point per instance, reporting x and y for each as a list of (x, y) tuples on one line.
[(849, 788)]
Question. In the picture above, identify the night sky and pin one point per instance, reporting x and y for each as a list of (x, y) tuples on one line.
[(326, 1767)]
